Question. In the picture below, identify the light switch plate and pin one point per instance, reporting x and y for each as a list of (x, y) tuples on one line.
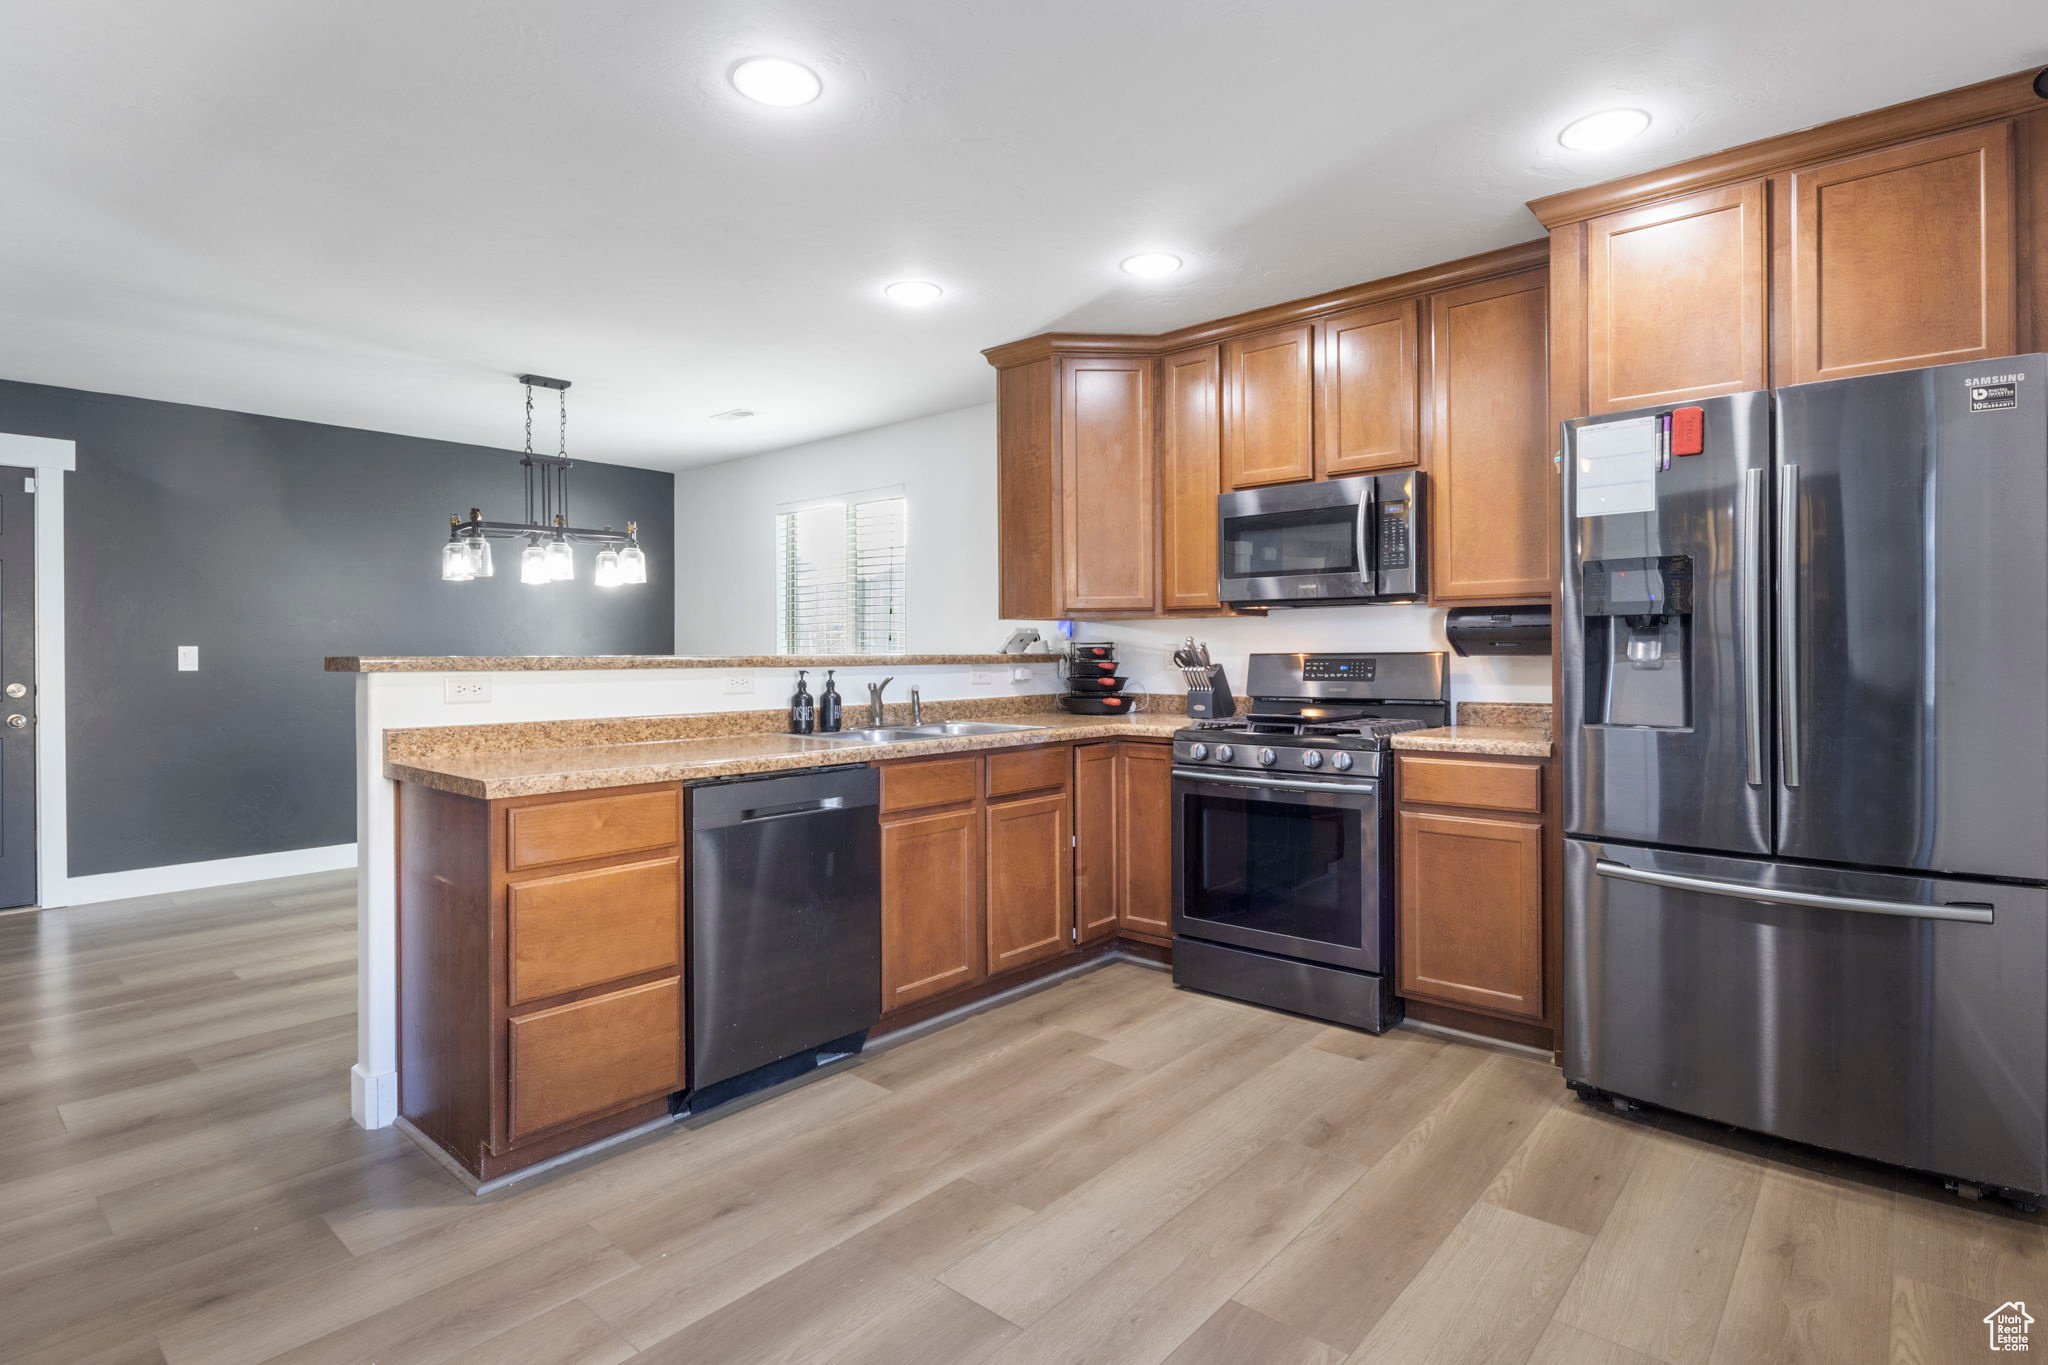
[(738, 684), (465, 690), (188, 658), (1019, 673)]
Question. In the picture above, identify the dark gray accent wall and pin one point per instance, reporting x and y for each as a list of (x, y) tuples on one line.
[(271, 544)]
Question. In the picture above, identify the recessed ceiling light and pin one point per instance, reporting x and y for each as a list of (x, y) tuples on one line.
[(1608, 128), (913, 293), (1150, 265), (777, 81), (734, 415)]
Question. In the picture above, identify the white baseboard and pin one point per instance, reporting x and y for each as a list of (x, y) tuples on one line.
[(162, 881), (372, 1100)]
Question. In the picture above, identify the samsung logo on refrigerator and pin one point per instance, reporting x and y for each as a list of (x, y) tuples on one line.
[(1994, 392)]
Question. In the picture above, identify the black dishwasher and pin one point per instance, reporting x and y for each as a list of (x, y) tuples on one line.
[(785, 926)]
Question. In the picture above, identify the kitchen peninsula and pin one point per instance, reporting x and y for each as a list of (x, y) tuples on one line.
[(595, 750)]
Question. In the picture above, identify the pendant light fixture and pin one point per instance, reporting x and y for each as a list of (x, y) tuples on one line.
[(549, 556)]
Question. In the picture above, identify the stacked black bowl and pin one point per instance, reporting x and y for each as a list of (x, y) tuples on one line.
[(1093, 687)]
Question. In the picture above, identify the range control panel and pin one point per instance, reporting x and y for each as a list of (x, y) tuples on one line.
[(1338, 668)]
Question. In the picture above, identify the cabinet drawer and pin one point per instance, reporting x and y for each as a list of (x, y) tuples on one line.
[(1483, 784), (583, 1060), (585, 928), (591, 827), (933, 782), (1028, 770)]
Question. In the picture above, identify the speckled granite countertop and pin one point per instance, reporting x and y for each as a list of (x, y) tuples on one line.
[(492, 774), (552, 663), (1501, 729)]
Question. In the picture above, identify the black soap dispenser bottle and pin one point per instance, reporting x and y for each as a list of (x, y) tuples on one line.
[(802, 713), (829, 706)]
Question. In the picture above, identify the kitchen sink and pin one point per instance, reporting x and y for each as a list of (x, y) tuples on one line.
[(898, 734)]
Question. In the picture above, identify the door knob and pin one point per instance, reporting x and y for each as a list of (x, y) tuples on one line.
[(17, 690), (17, 720)]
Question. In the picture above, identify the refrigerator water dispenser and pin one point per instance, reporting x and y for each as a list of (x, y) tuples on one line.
[(1638, 623)]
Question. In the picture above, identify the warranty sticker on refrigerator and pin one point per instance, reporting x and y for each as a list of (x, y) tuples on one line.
[(1993, 392), (1617, 470)]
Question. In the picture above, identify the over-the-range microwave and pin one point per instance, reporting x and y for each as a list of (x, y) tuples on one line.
[(1324, 544)]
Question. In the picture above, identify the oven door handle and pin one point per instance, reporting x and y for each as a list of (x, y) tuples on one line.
[(1366, 786)]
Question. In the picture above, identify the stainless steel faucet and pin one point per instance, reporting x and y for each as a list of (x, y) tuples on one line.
[(875, 716), (916, 708)]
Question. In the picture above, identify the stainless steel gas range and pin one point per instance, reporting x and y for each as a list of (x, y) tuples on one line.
[(1283, 880)]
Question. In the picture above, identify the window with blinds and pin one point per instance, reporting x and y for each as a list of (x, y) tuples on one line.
[(839, 575)]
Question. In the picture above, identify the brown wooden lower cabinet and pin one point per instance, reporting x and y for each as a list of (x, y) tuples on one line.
[(1030, 880), (1123, 843), (540, 968), (1471, 921), (932, 938)]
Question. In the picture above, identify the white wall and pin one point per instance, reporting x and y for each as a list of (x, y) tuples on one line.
[(725, 565), (946, 465)]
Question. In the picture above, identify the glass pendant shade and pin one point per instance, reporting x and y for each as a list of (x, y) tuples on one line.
[(533, 565), (561, 561), (632, 565), (606, 574), (479, 557), (456, 565)]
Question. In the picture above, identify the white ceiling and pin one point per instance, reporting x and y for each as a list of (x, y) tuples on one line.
[(373, 212)]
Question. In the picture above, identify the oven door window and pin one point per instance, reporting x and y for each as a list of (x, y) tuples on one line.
[(1314, 540), (1257, 867)]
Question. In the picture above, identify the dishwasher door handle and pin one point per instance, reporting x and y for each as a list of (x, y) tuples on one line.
[(759, 813)]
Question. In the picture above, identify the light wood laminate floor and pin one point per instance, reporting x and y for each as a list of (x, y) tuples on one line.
[(1109, 1170)]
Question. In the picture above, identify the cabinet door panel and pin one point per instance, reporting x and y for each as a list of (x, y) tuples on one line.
[(1030, 881), (1491, 478), (1471, 912), (1902, 257), (1190, 476), (1368, 403), (1145, 842), (1269, 407), (582, 1060), (1109, 486), (931, 906), (1095, 840), (1027, 493), (1675, 299)]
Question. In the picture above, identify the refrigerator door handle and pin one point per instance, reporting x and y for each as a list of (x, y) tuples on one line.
[(1754, 539), (1788, 621), (1968, 912)]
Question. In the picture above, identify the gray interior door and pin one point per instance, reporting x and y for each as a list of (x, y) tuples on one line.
[(17, 678), (1913, 620), (1698, 776)]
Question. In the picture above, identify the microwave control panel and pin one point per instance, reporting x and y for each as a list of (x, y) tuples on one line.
[(1394, 535)]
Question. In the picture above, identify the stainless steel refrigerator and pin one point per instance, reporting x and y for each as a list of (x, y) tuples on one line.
[(1805, 737)]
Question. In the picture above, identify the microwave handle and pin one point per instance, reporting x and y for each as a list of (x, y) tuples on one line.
[(1369, 535)]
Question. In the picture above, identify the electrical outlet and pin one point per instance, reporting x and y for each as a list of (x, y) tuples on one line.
[(1019, 673), (738, 684), (188, 658), (465, 690), (983, 677)]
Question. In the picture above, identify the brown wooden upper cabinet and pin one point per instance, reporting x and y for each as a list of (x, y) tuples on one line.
[(1676, 298), (1368, 391), (1899, 258), (1491, 479), (1269, 407), (1108, 483), (1190, 476)]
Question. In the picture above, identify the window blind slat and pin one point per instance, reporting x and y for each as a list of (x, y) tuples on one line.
[(840, 575)]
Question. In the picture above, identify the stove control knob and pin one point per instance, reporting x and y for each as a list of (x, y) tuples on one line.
[(1224, 753), (1342, 763), (1312, 759), (1198, 752), (1267, 758)]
